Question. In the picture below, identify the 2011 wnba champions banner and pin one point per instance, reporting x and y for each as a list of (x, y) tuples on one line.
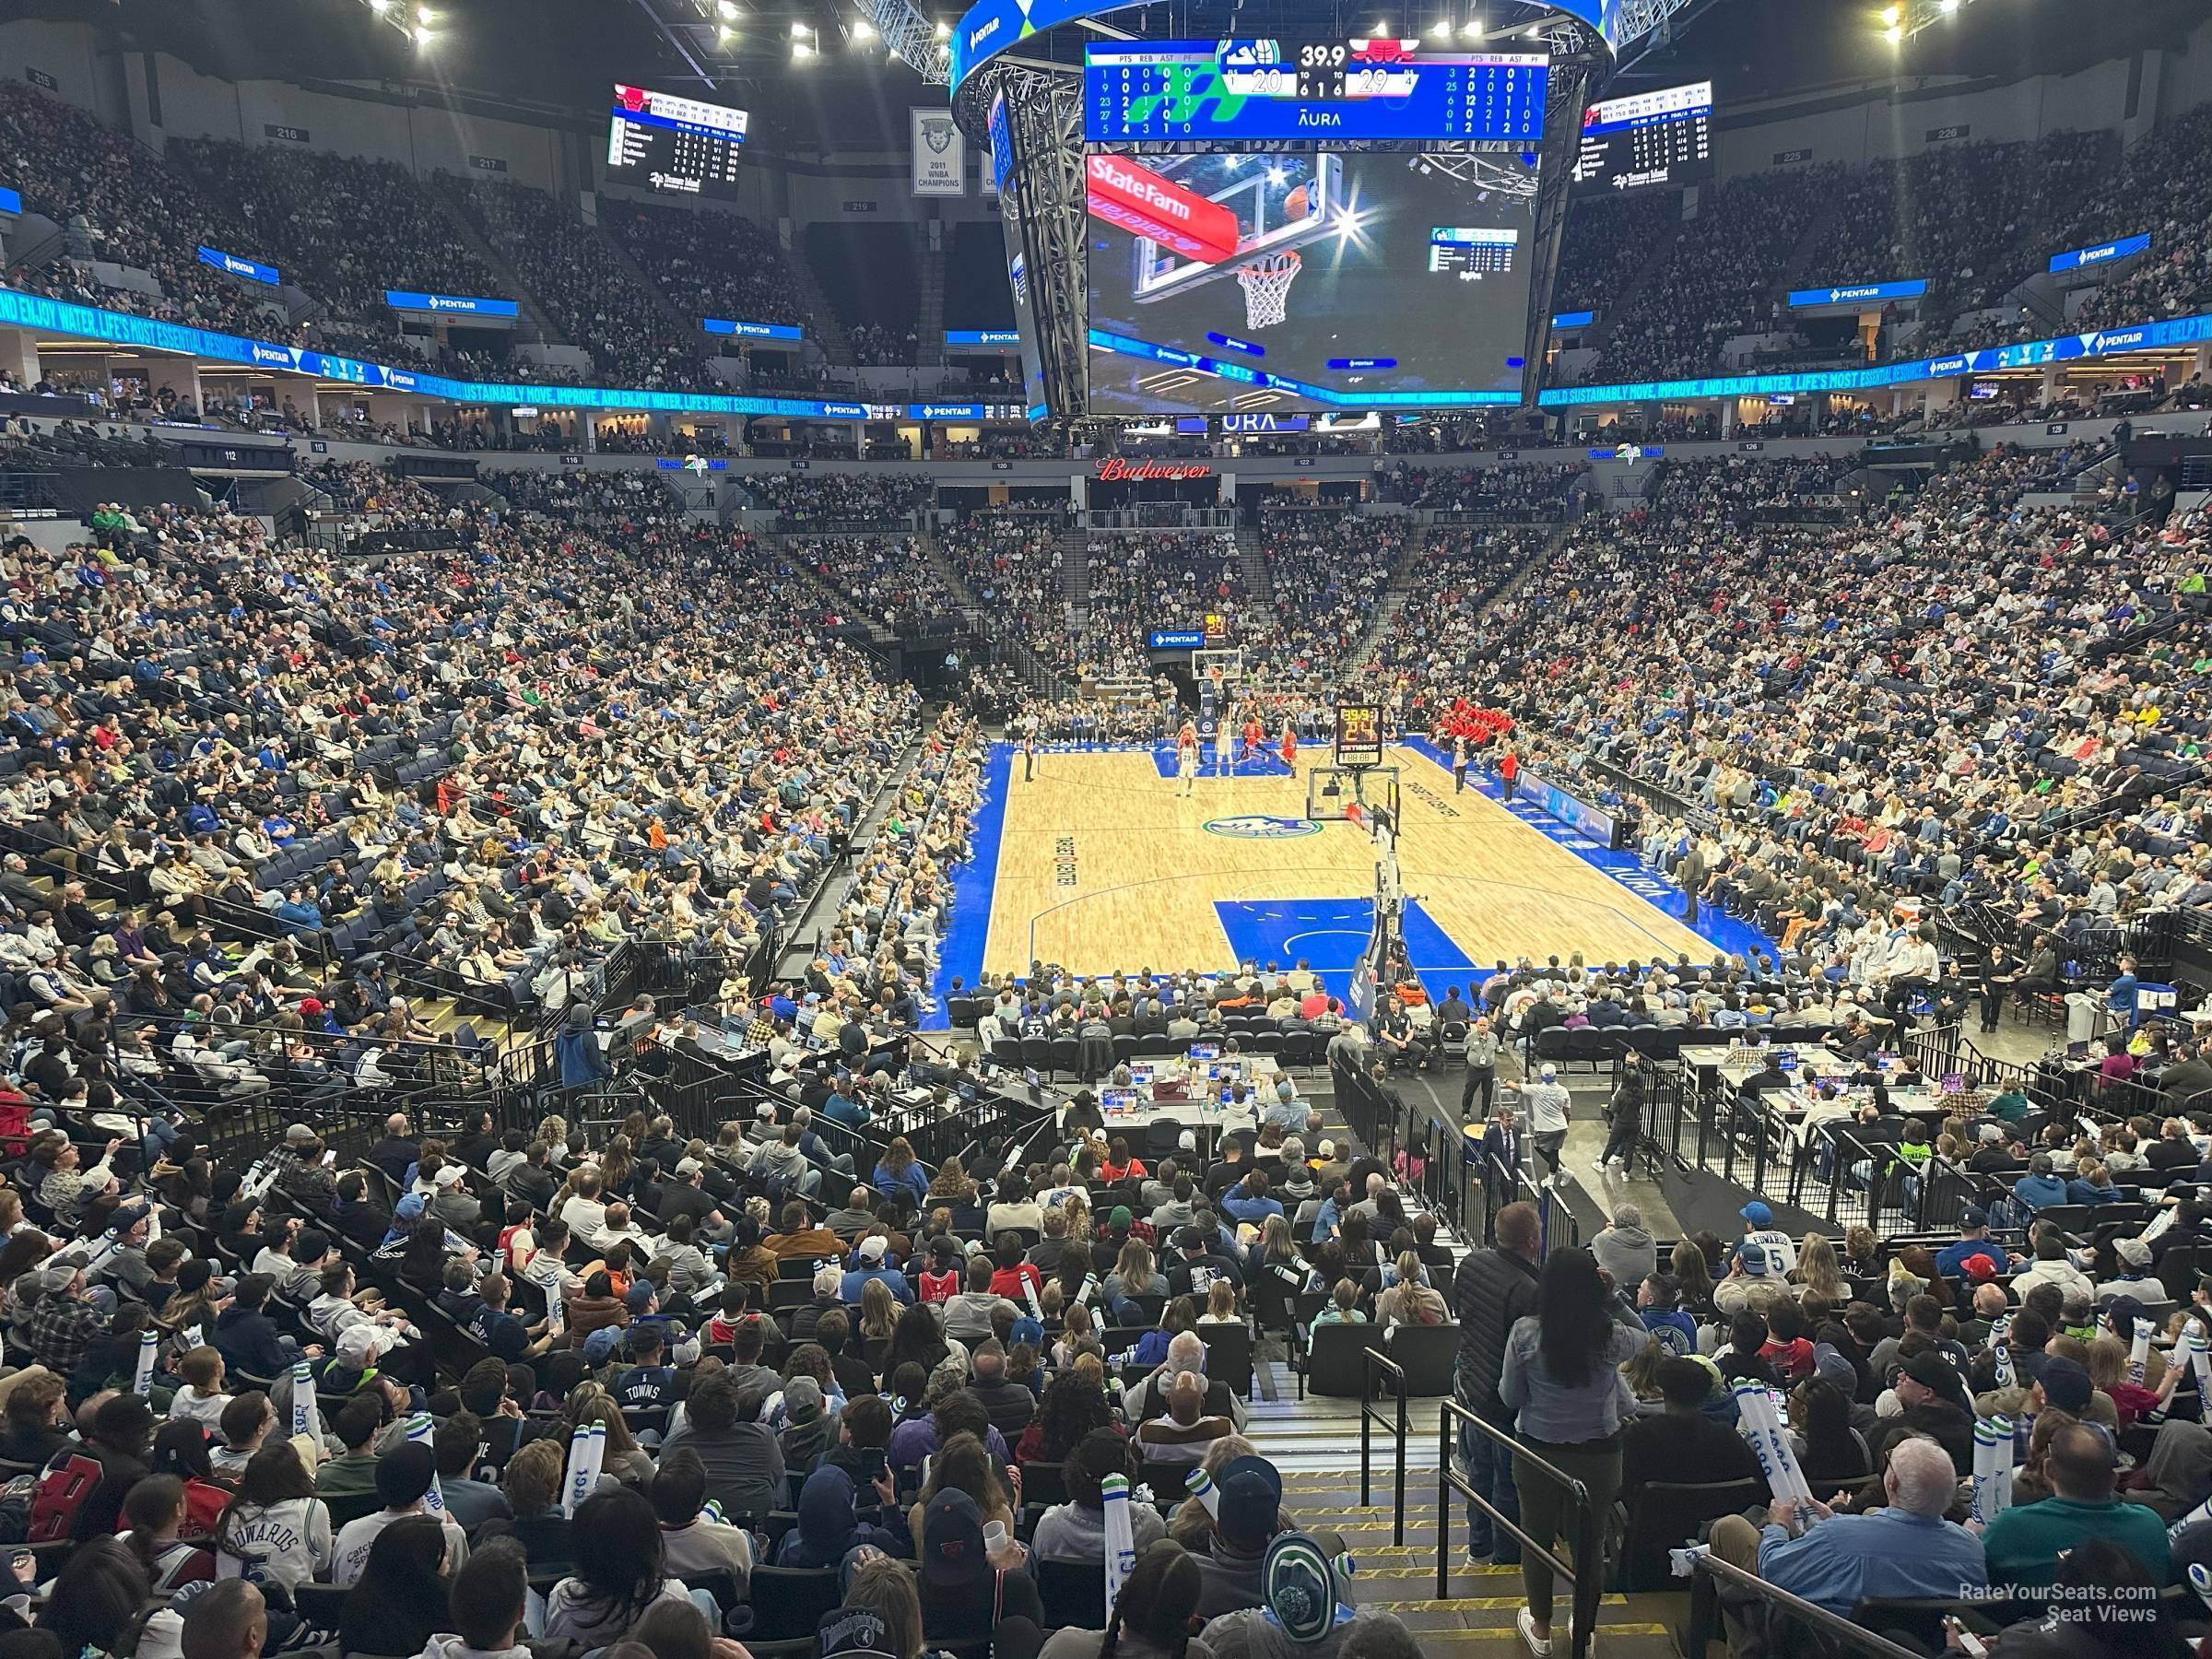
[(940, 155)]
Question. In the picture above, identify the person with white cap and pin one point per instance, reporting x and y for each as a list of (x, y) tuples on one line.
[(1549, 1108), (869, 1264)]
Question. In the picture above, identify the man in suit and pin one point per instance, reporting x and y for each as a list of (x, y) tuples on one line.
[(1501, 1153)]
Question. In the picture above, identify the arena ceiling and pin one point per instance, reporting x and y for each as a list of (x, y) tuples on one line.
[(843, 91)]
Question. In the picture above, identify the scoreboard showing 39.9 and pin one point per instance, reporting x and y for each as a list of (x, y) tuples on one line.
[(1166, 91), (673, 144)]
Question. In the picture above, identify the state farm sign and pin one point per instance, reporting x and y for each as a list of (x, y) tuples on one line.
[(1115, 470), (1123, 193)]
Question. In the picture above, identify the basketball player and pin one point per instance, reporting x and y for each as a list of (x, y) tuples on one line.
[(1224, 738), (1255, 734), (1290, 744), (1186, 756)]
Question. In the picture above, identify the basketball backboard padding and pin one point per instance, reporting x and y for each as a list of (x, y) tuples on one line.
[(1262, 190)]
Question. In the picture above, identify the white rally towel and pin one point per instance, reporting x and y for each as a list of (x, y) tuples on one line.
[(1762, 1425), (587, 1456), (420, 1430), (1121, 1538)]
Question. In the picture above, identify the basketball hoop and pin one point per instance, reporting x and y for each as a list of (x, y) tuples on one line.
[(1267, 285)]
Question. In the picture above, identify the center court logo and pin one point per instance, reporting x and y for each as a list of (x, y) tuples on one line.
[(1258, 826)]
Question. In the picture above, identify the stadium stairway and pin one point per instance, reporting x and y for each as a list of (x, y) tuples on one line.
[(686, 328), (1478, 1616), (822, 320), (1075, 575), (538, 327), (929, 294), (1395, 594), (1251, 568), (1798, 267)]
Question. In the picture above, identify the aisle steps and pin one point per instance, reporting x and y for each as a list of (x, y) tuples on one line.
[(1479, 1611)]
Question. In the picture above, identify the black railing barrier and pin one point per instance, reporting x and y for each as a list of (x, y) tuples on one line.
[(1713, 1574), (1585, 1581), (1374, 1361)]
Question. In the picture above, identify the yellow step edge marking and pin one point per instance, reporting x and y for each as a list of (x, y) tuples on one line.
[(1465, 1604), (1507, 1633)]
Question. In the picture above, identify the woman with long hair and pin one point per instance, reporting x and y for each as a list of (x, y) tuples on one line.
[(1818, 1271), (916, 1336), (1824, 1438), (962, 1463), (1151, 1617), (1072, 1407), (1133, 1276), (898, 1171), (626, 1461), (882, 1612), (1561, 1377), (101, 1601), (879, 1313), (276, 1530), (619, 1571), (399, 1602), (1693, 1278)]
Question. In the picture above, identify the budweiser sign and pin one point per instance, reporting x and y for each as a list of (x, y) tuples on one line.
[(1115, 470)]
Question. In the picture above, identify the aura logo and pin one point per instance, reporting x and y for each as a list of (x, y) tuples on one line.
[(1259, 827)]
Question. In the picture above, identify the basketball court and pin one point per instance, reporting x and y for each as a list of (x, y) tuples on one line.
[(1101, 865)]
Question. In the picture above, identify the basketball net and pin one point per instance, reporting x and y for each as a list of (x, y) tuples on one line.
[(1267, 285)]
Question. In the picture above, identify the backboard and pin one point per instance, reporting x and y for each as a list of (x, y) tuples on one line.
[(1281, 201)]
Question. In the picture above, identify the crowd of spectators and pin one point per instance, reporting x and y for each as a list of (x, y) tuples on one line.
[(720, 265), (1868, 709), (116, 201), (840, 497), (1897, 218), (364, 486), (343, 228), (574, 272), (1011, 562), (1328, 571), (1716, 278), (1608, 239), (1155, 579), (1507, 484), (890, 579)]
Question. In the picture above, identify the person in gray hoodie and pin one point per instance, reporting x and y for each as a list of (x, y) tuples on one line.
[(1624, 1250), (1075, 1531)]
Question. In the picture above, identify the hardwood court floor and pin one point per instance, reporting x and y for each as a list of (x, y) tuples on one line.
[(1103, 868)]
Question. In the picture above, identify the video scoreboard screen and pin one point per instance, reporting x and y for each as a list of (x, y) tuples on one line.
[(1170, 91), (1018, 266), (1315, 280), (1661, 137), (678, 145)]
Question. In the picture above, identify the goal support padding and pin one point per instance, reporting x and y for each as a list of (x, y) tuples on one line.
[(1343, 793)]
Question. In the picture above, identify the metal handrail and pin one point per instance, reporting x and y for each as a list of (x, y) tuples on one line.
[(1372, 1362), (1711, 1572), (1587, 1581)]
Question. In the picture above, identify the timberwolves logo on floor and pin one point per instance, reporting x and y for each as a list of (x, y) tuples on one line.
[(1258, 826)]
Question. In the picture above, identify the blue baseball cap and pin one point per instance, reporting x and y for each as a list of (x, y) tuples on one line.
[(1758, 1214)]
